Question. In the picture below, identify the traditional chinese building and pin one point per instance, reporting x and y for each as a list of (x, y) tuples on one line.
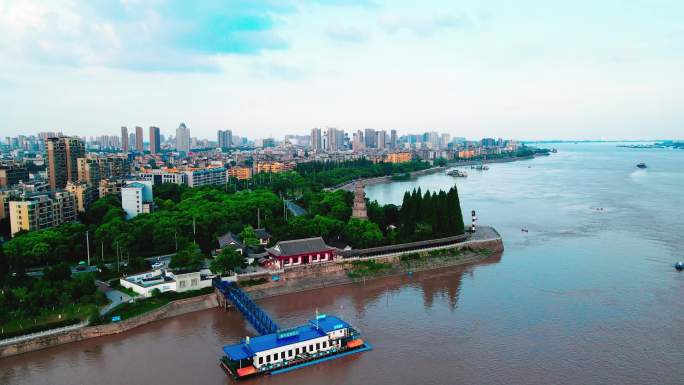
[(359, 209), (301, 251)]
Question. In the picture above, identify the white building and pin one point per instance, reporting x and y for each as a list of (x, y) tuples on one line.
[(136, 198), (158, 176), (182, 138), (206, 177), (145, 283)]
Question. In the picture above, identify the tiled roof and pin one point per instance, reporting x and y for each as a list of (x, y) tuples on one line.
[(230, 239), (262, 233), (299, 246)]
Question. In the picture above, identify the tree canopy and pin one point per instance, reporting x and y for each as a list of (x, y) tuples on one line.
[(226, 261)]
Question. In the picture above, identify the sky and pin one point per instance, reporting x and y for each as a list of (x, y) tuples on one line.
[(520, 69)]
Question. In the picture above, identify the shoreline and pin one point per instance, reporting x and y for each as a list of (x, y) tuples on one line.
[(349, 186), (294, 281)]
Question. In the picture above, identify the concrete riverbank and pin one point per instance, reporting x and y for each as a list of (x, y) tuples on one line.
[(292, 280), (484, 244), (169, 310)]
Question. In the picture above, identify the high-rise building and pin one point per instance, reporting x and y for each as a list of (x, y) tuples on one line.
[(225, 138), (333, 139), (89, 171), (393, 139), (41, 211), (155, 145), (369, 138), (182, 138), (316, 139), (12, 173), (381, 137), (136, 198), (84, 194), (357, 142), (139, 139), (63, 153), (93, 168), (131, 141), (444, 142), (124, 139)]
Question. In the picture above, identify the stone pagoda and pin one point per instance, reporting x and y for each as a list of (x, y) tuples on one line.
[(359, 209)]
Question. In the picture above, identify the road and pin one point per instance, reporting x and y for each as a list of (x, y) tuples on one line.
[(295, 209)]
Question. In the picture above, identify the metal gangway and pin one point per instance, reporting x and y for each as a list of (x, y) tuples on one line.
[(254, 314)]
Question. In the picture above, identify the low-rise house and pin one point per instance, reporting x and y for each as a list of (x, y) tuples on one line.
[(301, 251), (230, 240), (165, 280), (263, 235)]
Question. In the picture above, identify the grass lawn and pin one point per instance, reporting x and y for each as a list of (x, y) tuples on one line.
[(128, 310), (142, 306), (70, 312), (367, 268)]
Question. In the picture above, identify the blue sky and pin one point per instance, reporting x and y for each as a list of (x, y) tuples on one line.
[(524, 69)]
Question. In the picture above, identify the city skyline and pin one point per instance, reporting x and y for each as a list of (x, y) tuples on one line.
[(473, 70)]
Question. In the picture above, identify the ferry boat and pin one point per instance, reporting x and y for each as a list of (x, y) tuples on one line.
[(641, 165), (457, 173), (323, 338), (480, 167)]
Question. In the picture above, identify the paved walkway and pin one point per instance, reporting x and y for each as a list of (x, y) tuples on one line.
[(115, 296), (295, 209)]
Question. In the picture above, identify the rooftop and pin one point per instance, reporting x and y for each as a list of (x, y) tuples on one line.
[(262, 233), (230, 239), (302, 333), (299, 246)]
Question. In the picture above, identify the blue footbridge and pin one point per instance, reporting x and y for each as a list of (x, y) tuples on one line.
[(256, 316)]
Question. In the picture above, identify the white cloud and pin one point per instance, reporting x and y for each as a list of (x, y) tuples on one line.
[(346, 34), (422, 26)]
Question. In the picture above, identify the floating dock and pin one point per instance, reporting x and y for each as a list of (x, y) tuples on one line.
[(281, 350)]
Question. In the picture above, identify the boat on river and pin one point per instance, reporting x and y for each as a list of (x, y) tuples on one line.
[(457, 173), (323, 338), (641, 165), (679, 265)]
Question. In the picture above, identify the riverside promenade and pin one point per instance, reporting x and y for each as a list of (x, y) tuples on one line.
[(291, 280)]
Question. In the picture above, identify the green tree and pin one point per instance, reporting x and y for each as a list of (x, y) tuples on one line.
[(4, 269), (362, 234), (249, 237), (227, 260), (189, 258), (60, 272)]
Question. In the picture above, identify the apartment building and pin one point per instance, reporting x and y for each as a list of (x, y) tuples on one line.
[(41, 211)]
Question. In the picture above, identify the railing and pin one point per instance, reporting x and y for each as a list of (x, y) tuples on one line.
[(44, 333), (402, 247), (254, 314)]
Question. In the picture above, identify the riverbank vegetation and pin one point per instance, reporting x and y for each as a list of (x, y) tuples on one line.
[(57, 296), (141, 306), (368, 268)]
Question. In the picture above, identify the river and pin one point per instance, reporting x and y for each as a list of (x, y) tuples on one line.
[(586, 296)]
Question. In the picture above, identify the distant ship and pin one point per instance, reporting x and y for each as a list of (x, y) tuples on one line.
[(457, 173), (641, 165)]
